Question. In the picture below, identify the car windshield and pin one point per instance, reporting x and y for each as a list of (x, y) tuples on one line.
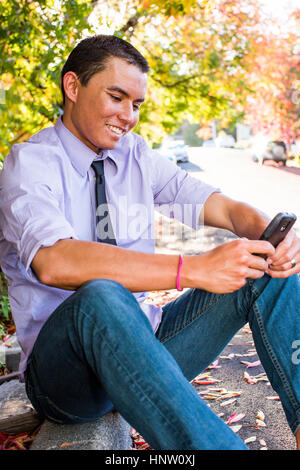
[(175, 144)]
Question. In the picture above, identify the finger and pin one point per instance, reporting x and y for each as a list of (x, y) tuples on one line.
[(257, 262), (284, 261), (286, 257), (285, 270), (281, 267), (281, 274), (282, 252), (255, 273), (261, 247)]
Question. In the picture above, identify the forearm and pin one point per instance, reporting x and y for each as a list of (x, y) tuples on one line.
[(240, 218), (70, 263), (248, 221)]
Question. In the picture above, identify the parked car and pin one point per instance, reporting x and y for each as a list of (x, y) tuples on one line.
[(209, 143), (275, 150), (177, 148), (225, 140)]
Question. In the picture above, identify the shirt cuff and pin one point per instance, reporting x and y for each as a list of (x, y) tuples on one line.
[(32, 246)]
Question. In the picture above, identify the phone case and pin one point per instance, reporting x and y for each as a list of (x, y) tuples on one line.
[(278, 228)]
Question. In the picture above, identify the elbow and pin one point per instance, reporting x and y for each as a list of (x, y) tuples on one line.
[(45, 277), (45, 265)]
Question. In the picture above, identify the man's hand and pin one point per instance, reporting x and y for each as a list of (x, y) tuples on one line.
[(281, 262), (227, 267)]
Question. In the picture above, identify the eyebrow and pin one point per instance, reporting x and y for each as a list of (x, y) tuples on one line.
[(123, 92)]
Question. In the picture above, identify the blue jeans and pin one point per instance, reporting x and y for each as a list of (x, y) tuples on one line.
[(97, 352)]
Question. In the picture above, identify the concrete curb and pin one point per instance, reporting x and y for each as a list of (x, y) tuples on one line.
[(110, 432), (10, 353)]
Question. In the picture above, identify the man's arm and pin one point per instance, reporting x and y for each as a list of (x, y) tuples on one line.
[(246, 221), (70, 263), (238, 217)]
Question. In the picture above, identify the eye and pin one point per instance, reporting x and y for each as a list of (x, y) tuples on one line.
[(115, 98), (136, 107)]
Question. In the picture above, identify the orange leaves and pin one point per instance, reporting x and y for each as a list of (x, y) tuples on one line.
[(18, 442)]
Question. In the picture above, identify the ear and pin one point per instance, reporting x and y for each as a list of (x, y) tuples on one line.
[(71, 85)]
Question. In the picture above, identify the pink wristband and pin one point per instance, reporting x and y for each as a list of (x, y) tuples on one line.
[(178, 287)]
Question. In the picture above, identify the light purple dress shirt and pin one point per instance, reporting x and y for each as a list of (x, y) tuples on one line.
[(47, 193)]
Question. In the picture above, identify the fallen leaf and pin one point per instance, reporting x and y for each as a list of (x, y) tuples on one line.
[(236, 428), (66, 444), (235, 417), (214, 365), (254, 364), (260, 423), (205, 379), (228, 402), (230, 356), (249, 379), (260, 415), (250, 439), (206, 382), (251, 364)]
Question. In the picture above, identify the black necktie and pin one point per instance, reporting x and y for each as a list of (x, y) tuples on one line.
[(104, 231)]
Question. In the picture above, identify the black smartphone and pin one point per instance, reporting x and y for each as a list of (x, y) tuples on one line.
[(278, 229)]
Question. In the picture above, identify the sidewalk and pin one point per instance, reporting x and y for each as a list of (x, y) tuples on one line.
[(235, 386), (237, 369)]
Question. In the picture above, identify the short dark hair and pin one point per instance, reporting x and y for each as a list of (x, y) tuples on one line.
[(90, 56)]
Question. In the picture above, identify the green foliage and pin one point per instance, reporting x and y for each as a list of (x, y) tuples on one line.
[(199, 54), (35, 39), (5, 312), (189, 134)]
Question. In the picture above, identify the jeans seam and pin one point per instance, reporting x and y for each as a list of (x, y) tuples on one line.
[(65, 413), (191, 319), (276, 365)]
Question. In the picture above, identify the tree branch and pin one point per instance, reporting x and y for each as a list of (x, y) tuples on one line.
[(131, 23), (175, 84)]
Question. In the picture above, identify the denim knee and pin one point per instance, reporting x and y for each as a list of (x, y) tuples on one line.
[(103, 286), (110, 301), (107, 290)]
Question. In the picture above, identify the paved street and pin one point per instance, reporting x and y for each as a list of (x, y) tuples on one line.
[(269, 188), (272, 190)]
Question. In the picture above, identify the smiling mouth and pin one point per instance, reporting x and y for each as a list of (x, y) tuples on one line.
[(116, 130)]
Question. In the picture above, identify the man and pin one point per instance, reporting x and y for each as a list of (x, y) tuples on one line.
[(90, 342)]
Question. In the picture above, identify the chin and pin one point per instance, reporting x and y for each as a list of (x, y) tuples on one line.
[(108, 146)]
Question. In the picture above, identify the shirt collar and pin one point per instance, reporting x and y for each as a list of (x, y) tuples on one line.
[(81, 155)]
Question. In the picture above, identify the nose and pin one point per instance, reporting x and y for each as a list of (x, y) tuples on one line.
[(126, 113)]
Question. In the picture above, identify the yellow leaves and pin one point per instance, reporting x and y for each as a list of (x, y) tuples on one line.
[(172, 8)]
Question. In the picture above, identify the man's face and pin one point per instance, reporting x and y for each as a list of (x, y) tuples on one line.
[(104, 110)]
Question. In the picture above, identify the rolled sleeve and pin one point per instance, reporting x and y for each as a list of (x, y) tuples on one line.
[(176, 193), (30, 211)]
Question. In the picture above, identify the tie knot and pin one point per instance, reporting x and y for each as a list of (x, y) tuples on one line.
[(98, 167)]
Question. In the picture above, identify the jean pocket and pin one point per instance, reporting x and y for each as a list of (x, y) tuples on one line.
[(55, 414), (48, 409)]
